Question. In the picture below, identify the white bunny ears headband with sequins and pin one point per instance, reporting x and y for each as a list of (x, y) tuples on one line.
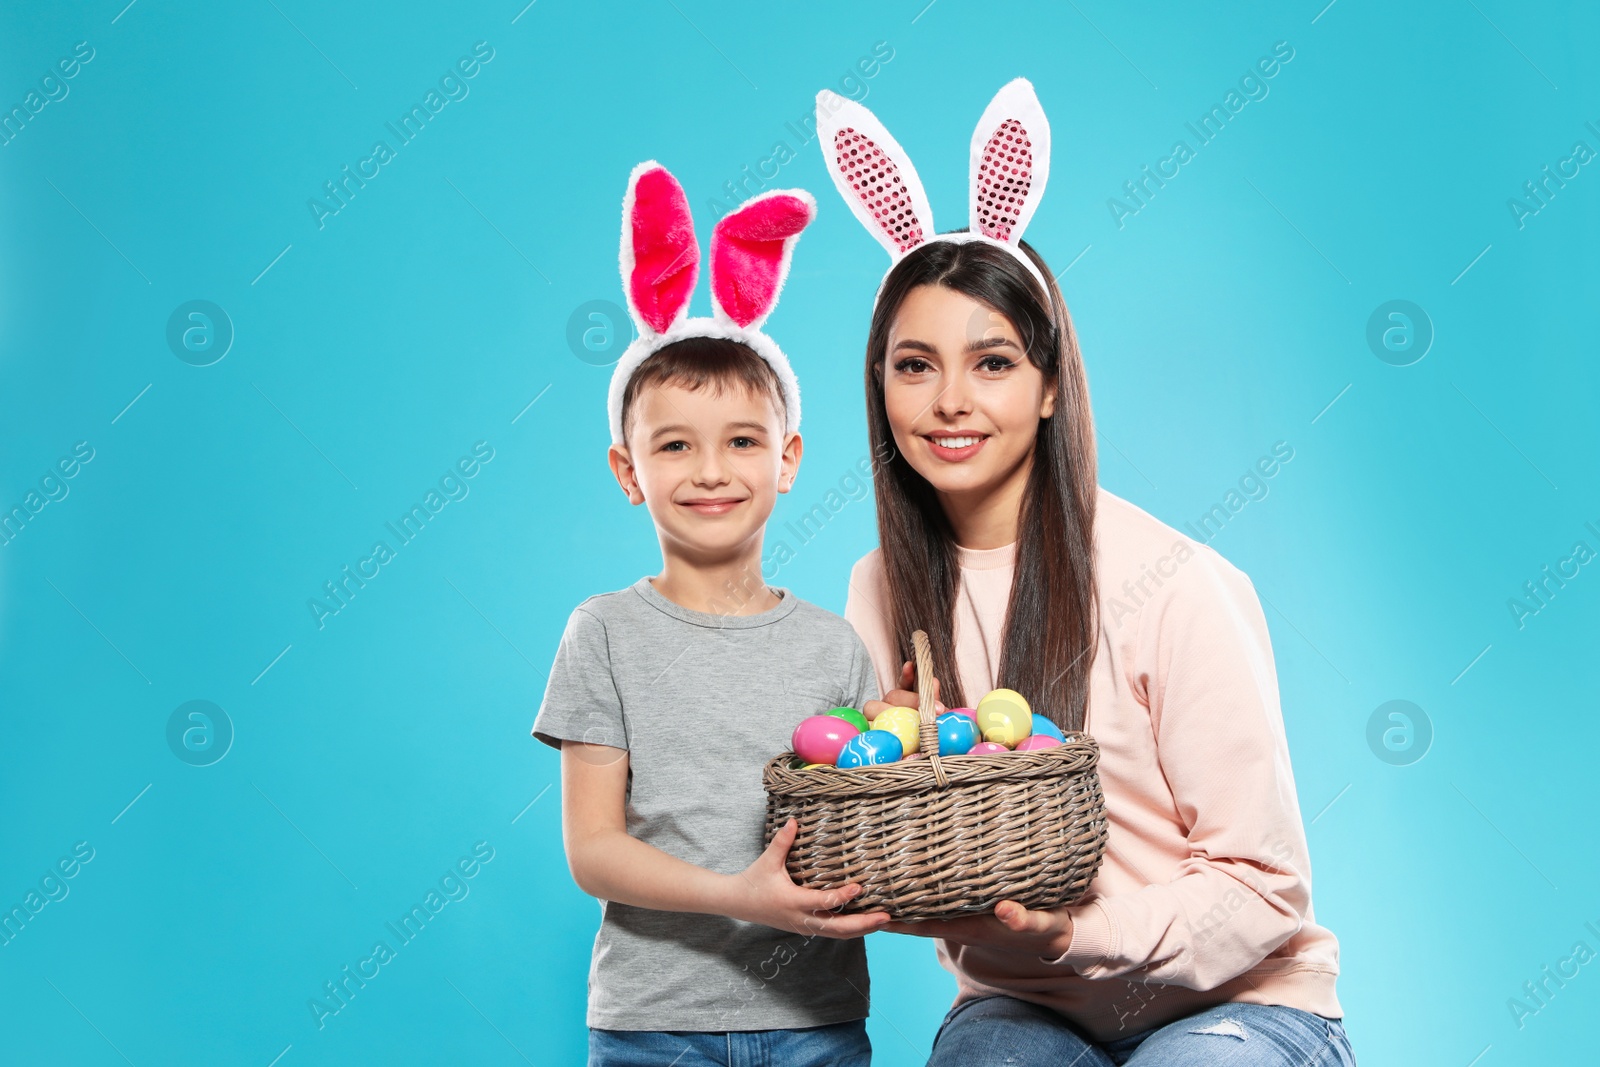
[(1010, 161), (750, 252)]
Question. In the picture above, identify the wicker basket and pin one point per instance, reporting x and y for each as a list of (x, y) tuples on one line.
[(939, 837)]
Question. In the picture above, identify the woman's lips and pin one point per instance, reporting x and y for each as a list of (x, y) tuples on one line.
[(955, 455)]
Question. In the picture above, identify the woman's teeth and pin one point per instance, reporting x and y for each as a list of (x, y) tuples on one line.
[(956, 442)]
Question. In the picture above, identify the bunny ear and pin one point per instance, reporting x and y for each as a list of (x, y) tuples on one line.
[(873, 174), (660, 259), (1010, 162), (750, 252)]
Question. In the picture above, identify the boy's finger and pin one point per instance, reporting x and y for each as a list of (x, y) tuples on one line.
[(850, 925), (778, 847), (827, 899)]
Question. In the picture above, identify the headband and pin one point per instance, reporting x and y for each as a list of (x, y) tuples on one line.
[(750, 252), (1010, 160)]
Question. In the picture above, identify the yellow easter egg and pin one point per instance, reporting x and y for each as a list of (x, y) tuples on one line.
[(904, 723), (1004, 717)]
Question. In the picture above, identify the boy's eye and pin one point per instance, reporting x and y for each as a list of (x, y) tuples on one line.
[(674, 446), (748, 442)]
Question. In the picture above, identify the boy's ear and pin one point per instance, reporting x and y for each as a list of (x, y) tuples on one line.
[(789, 462), (622, 467)]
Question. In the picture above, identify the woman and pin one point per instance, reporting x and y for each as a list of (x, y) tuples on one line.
[(1196, 943)]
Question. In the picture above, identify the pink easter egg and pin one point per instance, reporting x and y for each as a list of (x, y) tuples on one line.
[(1035, 742), (987, 748), (819, 738), (968, 712)]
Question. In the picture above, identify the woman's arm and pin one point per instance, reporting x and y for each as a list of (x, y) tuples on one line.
[(608, 863), (1205, 665)]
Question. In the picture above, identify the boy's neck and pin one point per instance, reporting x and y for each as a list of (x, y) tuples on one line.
[(734, 587)]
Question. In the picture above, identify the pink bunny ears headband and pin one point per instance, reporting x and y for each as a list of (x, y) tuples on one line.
[(1010, 160), (750, 252)]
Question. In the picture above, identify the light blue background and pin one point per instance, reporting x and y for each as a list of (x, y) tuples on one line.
[(1227, 315)]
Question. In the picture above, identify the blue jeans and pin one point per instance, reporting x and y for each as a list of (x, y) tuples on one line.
[(1006, 1030), (838, 1045)]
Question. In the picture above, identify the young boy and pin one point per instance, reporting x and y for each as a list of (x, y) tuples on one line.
[(666, 698)]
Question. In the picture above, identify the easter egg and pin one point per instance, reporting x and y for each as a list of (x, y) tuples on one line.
[(1042, 725), (819, 738), (870, 748), (1036, 742), (968, 712), (853, 717), (957, 733), (904, 723), (987, 748), (1004, 716)]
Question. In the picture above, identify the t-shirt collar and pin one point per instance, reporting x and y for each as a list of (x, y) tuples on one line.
[(654, 597)]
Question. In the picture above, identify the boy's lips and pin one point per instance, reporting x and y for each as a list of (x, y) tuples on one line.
[(719, 505), (955, 447)]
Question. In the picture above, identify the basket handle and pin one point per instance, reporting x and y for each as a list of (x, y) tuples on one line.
[(927, 727)]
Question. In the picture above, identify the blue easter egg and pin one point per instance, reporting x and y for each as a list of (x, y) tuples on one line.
[(1042, 725), (870, 748), (957, 733)]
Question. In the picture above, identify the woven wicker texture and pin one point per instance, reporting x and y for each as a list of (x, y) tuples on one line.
[(939, 837)]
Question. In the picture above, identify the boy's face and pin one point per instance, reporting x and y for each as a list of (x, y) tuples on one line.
[(709, 466)]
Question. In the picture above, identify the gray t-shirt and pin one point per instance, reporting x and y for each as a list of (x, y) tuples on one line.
[(701, 701)]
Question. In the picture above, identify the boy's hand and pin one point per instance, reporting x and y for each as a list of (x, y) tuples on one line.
[(764, 893), (905, 697)]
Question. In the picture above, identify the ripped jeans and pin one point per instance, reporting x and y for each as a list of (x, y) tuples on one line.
[(1004, 1030)]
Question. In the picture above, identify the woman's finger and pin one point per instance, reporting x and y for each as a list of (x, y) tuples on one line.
[(1019, 919)]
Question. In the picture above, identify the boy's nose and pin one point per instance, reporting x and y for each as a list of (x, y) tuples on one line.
[(713, 468)]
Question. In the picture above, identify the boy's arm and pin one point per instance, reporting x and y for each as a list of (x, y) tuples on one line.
[(610, 864)]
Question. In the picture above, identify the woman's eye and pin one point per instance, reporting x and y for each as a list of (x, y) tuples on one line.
[(996, 363), (912, 364)]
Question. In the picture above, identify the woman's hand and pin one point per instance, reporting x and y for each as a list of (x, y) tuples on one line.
[(1046, 933), (905, 697), (764, 893)]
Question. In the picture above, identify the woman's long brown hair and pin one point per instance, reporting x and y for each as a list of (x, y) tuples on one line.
[(1051, 632)]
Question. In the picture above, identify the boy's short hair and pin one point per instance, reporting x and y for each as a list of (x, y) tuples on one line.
[(698, 362)]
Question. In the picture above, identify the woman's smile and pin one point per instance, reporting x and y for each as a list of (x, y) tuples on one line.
[(954, 446)]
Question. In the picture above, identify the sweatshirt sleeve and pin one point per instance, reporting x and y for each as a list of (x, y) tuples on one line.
[(1205, 664), (866, 608)]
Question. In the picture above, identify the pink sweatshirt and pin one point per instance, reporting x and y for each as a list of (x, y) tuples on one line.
[(1204, 895)]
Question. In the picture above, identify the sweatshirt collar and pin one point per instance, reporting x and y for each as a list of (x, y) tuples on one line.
[(986, 559)]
